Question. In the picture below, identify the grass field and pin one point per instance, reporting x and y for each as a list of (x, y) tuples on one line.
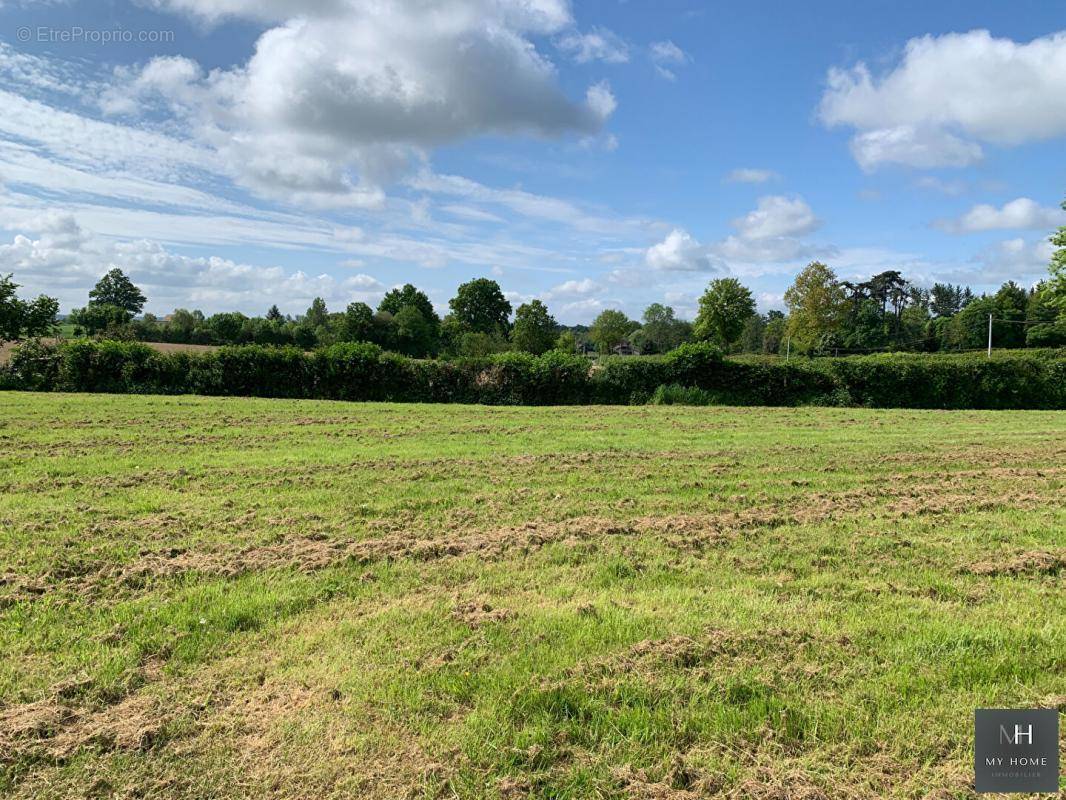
[(250, 598)]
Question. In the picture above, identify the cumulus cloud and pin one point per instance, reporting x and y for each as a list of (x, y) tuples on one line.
[(1014, 258), (751, 175), (599, 44), (947, 95), (61, 258), (776, 215), (540, 16), (679, 251), (341, 97), (923, 148), (573, 289), (1017, 214), (665, 56), (767, 234)]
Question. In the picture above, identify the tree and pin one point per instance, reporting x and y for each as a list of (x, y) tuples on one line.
[(660, 331), (815, 302), (753, 335), (22, 319), (1057, 268), (1040, 307), (115, 289), (358, 323), (475, 344), (566, 342), (414, 334), (317, 314), (724, 308), (534, 328), (96, 318), (945, 300), (274, 314), (396, 299), (1009, 305), (609, 329), (480, 307), (226, 326), (774, 333), (969, 328)]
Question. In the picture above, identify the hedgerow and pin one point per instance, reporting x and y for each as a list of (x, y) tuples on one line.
[(1018, 379)]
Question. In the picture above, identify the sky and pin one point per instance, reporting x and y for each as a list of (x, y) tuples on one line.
[(234, 154)]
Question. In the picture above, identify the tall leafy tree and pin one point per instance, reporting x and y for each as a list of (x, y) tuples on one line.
[(774, 333), (358, 323), (751, 338), (22, 319), (1057, 284), (317, 314), (409, 295), (724, 308), (661, 331), (534, 328), (115, 289), (946, 300), (815, 302), (609, 329), (480, 307), (1009, 305), (415, 335)]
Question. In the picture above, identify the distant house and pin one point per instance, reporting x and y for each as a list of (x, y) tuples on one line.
[(624, 348)]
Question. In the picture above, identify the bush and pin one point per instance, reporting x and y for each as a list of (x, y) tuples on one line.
[(34, 366), (691, 374), (675, 395), (1047, 334)]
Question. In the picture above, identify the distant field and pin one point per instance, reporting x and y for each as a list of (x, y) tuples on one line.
[(206, 598), (6, 348)]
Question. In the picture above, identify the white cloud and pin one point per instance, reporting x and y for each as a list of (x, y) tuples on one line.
[(949, 93), (599, 44), (1017, 214), (775, 216), (772, 249), (1014, 259), (664, 56), (523, 203), (342, 96), (538, 16), (679, 251), (767, 234), (923, 148), (751, 175), (573, 288), (65, 261)]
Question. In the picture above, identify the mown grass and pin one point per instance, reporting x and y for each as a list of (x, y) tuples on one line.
[(233, 598)]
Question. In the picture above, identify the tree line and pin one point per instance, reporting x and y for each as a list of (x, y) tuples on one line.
[(825, 316)]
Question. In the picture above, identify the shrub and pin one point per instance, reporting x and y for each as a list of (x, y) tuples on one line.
[(1047, 334), (34, 366), (1032, 379), (675, 395)]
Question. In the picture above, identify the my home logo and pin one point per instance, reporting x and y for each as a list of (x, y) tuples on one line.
[(1016, 750), (1019, 733)]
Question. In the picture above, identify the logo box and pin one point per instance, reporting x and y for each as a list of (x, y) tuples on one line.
[(1016, 750)]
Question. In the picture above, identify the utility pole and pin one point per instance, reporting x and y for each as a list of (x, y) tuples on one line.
[(990, 336)]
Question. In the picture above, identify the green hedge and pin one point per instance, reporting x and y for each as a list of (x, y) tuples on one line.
[(1029, 379)]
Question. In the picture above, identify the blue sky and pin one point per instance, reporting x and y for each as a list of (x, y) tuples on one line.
[(238, 153)]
